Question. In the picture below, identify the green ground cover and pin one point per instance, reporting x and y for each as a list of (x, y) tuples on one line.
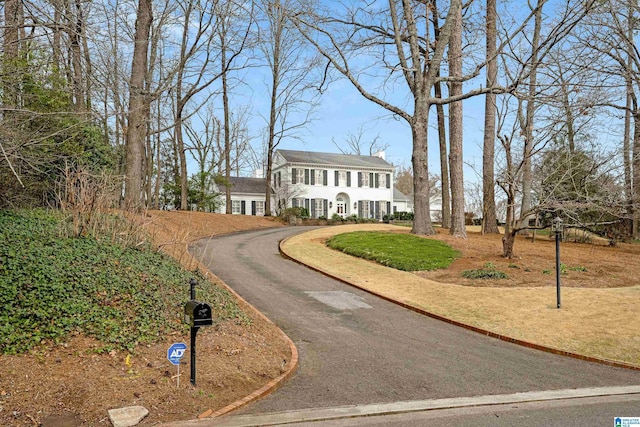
[(400, 251), (53, 286)]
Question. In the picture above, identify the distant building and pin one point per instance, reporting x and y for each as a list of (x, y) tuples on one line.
[(401, 202), (247, 196)]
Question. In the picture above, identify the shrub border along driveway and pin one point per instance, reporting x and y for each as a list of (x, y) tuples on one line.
[(472, 308)]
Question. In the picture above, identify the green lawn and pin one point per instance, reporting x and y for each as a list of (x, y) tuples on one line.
[(53, 286), (401, 251)]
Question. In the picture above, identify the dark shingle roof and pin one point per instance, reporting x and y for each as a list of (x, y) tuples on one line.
[(244, 185), (333, 159)]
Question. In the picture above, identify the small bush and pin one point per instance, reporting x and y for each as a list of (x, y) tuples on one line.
[(403, 216), (337, 218), (297, 212), (483, 273)]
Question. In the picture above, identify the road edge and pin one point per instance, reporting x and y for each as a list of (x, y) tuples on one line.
[(476, 329)]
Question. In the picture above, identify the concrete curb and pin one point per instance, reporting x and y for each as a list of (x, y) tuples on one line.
[(406, 407), (271, 385), (486, 332)]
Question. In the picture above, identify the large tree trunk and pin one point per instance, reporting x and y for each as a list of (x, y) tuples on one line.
[(635, 164), (527, 171), (444, 162), (489, 217), (138, 110), (11, 43), (442, 143), (76, 60), (422, 218), (458, 228), (275, 80), (227, 136)]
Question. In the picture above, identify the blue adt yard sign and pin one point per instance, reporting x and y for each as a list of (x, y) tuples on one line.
[(175, 352)]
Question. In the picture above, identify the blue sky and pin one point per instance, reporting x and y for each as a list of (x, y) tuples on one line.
[(343, 111)]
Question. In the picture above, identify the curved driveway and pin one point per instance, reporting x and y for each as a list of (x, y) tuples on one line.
[(358, 349)]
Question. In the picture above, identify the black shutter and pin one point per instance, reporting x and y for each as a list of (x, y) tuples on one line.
[(306, 205), (243, 207), (306, 176), (253, 207), (337, 178), (325, 177), (372, 209), (388, 208), (371, 178), (279, 179), (348, 178), (377, 213), (360, 213), (325, 208), (294, 175), (377, 176), (359, 179), (312, 214), (312, 176), (388, 180)]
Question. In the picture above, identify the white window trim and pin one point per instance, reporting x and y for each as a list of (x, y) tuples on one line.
[(236, 207)]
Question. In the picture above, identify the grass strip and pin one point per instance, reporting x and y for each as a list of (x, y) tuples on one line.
[(400, 251)]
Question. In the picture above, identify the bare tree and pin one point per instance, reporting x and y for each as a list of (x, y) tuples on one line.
[(391, 47), (527, 119), (293, 96), (354, 143), (138, 113), (458, 228), (489, 220), (610, 33), (193, 74), (233, 24)]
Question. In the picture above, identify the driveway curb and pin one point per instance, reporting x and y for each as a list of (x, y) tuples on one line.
[(501, 337)]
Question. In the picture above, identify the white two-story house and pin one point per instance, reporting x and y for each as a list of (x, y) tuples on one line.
[(327, 183)]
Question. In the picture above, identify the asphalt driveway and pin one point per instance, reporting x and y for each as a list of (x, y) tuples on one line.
[(358, 349)]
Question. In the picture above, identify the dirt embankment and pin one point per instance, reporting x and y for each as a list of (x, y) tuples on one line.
[(73, 380)]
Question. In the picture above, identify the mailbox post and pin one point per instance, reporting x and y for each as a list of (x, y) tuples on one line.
[(196, 315), (557, 226)]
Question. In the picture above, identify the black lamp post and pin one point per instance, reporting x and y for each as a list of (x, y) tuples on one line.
[(557, 227)]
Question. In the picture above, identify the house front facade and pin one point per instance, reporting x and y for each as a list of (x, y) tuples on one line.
[(327, 183)]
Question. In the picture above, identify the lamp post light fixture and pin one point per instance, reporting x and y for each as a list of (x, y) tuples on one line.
[(557, 226)]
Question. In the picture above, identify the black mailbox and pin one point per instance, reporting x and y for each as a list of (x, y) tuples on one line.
[(197, 314)]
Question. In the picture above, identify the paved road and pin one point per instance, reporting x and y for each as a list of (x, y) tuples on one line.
[(358, 349)]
